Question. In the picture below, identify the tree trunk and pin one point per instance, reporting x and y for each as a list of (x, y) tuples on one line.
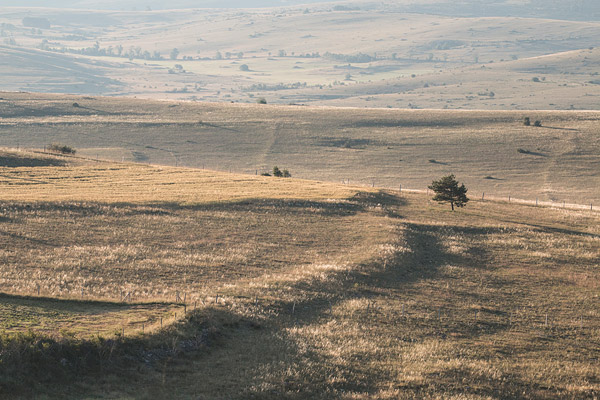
[(452, 204)]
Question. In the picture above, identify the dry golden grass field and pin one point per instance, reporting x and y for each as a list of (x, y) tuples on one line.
[(491, 151), (290, 288)]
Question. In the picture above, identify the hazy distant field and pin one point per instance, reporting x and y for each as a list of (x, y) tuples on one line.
[(372, 55), (492, 152), (324, 291)]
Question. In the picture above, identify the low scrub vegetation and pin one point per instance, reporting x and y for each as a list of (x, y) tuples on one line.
[(281, 173), (61, 148)]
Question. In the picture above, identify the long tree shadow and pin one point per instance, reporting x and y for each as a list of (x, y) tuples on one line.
[(422, 259)]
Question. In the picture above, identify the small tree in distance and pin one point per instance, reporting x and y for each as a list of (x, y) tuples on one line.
[(281, 174), (446, 190)]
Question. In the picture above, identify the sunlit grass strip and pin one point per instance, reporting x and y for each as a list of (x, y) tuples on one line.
[(135, 183)]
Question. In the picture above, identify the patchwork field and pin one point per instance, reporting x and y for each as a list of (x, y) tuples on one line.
[(290, 288), (408, 54)]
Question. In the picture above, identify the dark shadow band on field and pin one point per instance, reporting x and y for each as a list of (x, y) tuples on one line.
[(342, 207), (68, 303), (561, 129), (55, 366), (422, 262)]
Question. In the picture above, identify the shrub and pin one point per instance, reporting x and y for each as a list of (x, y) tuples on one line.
[(537, 123), (76, 105), (61, 148), (244, 67), (261, 100), (536, 79), (278, 173), (527, 121)]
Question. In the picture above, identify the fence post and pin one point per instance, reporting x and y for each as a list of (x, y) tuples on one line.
[(482, 196)]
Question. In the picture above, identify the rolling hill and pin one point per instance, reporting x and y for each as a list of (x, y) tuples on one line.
[(376, 56), (491, 151), (125, 280)]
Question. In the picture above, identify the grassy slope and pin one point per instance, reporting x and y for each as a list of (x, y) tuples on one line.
[(455, 308), (130, 222), (558, 162), (378, 296)]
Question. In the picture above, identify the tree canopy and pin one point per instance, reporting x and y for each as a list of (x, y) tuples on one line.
[(446, 190)]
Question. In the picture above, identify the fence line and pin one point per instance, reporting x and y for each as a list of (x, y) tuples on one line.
[(371, 182)]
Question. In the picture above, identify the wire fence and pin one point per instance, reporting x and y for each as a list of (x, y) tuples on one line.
[(359, 182)]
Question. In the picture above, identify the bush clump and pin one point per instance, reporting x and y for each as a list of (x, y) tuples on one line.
[(61, 148), (527, 121), (537, 123), (281, 174)]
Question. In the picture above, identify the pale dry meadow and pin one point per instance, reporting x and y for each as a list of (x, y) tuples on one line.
[(492, 152), (324, 290)]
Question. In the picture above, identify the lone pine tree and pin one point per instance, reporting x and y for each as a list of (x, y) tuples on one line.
[(446, 190)]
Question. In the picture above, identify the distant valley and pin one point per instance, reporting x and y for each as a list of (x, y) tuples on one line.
[(385, 55)]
